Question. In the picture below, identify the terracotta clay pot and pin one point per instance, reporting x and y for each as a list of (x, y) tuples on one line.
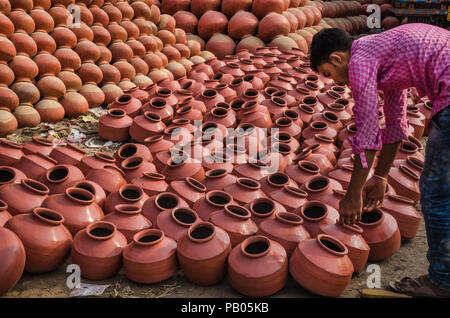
[(315, 214), (203, 253), (131, 105), (189, 189), (12, 253), (303, 171), (182, 166), (150, 257), (262, 7), (321, 266), (133, 150), (285, 228), (291, 197), (128, 220), (175, 223), (213, 201), (74, 104), (405, 182), (60, 177), (351, 237), (46, 240), (320, 186), (10, 175), (109, 177), (160, 203), (218, 179), (236, 221), (31, 192), (10, 152), (35, 164), (129, 194), (245, 190), (381, 232), (404, 212), (151, 183), (145, 126), (241, 24), (97, 161), (258, 267), (94, 188), (98, 250), (134, 167), (115, 125), (77, 206)]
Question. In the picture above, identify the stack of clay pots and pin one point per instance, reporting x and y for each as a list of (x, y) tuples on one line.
[(225, 26), (61, 58), (253, 190)]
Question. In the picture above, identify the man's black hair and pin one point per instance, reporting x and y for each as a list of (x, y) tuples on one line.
[(326, 42)]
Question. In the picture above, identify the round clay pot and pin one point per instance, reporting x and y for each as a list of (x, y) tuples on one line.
[(94, 188), (160, 203), (245, 190), (241, 24), (189, 189), (404, 212), (46, 240), (236, 221), (12, 253), (128, 220), (129, 194), (405, 182), (381, 232), (150, 257), (10, 152), (175, 223), (60, 177), (77, 206), (285, 228), (129, 150), (98, 250), (351, 237), (11, 175), (145, 126), (315, 214), (290, 197), (35, 164), (32, 192), (203, 253), (97, 161), (258, 267), (316, 263), (115, 125), (151, 183), (109, 177)]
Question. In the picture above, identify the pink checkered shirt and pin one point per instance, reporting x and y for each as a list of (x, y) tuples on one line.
[(411, 55)]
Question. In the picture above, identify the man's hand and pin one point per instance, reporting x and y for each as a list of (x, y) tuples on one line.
[(373, 193), (350, 208)]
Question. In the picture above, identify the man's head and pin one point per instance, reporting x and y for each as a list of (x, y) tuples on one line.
[(330, 54)]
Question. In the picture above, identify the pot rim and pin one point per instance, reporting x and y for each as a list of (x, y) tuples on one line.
[(308, 166), (408, 171), (53, 169), (166, 194), (327, 180), (230, 209), (101, 224), (148, 232), (198, 225), (186, 210), (379, 212), (195, 184), (259, 200), (59, 217), (12, 171), (132, 187), (129, 209), (284, 216), (314, 203), (255, 239), (35, 186), (221, 194), (322, 237), (104, 157), (251, 184), (131, 159)]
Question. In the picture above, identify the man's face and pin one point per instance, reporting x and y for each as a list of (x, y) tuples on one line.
[(337, 71)]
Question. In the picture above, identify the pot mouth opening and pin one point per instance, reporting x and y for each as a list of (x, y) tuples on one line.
[(255, 246), (163, 91), (49, 216), (85, 186), (125, 98), (210, 93), (284, 121), (278, 179), (149, 237), (307, 109), (184, 216), (263, 207), (133, 162), (196, 184), (101, 230), (220, 111), (282, 148), (152, 116), (216, 173), (58, 174), (218, 76), (237, 104), (279, 101), (219, 198), (309, 166), (128, 150), (80, 195), (330, 116), (288, 217), (167, 201), (251, 92), (201, 232), (104, 156), (35, 186), (315, 211), (318, 184), (128, 208), (320, 125), (249, 183), (409, 172), (332, 245), (237, 211), (309, 100), (342, 101), (372, 217), (153, 139), (131, 193), (409, 146), (283, 137), (7, 175)]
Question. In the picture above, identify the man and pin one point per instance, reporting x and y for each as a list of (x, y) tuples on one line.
[(411, 55)]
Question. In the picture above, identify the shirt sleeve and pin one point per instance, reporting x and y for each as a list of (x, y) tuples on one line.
[(395, 115), (364, 85)]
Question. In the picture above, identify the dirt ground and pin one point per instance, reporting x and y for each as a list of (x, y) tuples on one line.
[(410, 260)]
